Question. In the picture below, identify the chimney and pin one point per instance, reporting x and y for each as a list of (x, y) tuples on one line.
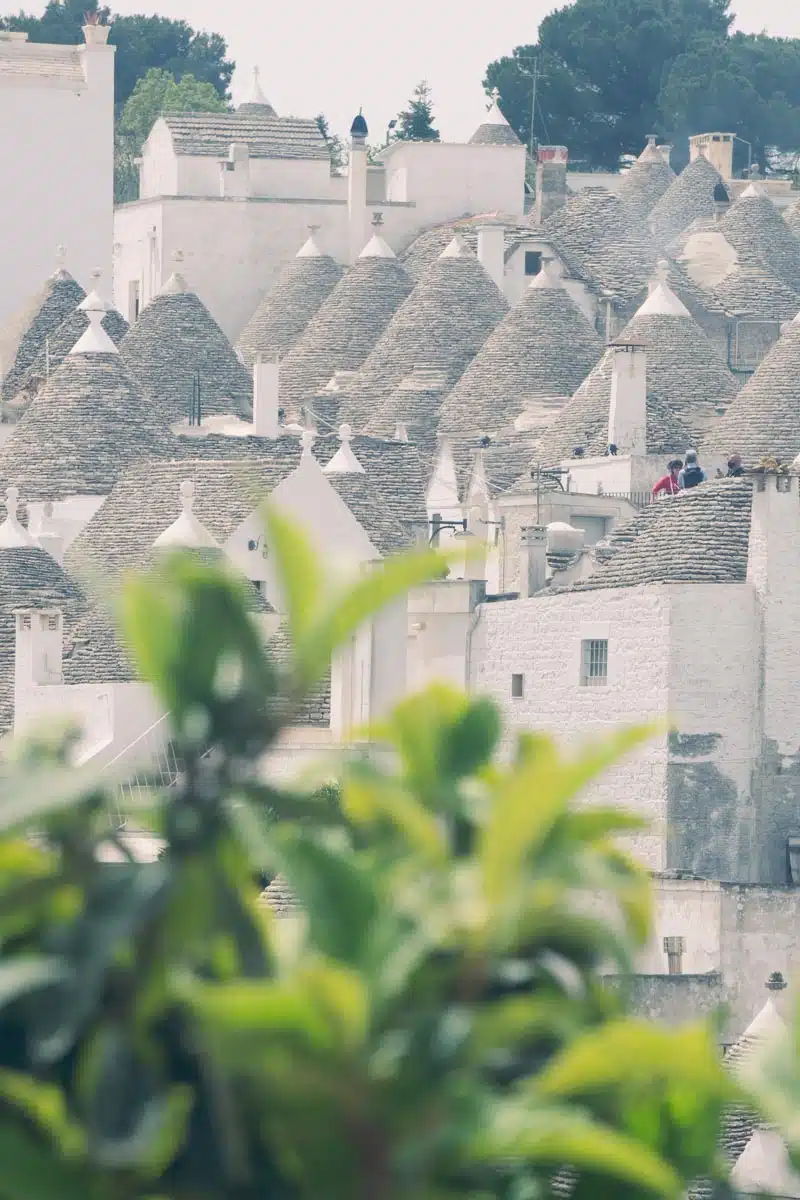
[(265, 398), (674, 948), (627, 410), (551, 181), (38, 650), (532, 560), (492, 252), (234, 176), (357, 188), (717, 148)]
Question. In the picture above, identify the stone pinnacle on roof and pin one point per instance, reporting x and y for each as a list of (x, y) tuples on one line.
[(176, 344), (764, 419), (94, 340), (450, 313), (94, 302), (344, 460), (376, 247), (296, 295), (11, 532), (256, 102), (186, 530), (662, 301), (494, 129), (532, 361)]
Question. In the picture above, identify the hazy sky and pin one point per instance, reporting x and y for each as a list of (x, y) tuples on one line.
[(322, 56)]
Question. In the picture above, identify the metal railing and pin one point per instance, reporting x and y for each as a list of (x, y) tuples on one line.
[(157, 768)]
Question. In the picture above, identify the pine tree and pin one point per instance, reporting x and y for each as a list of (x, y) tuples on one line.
[(415, 124)]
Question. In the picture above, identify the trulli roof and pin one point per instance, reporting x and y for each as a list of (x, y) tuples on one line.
[(645, 183), (593, 217), (689, 196), (175, 339), (791, 216), (448, 315), (280, 898), (302, 286), (24, 335), (85, 428), (760, 236), (540, 351), (764, 419), (414, 403), (345, 328), (754, 292), (583, 421), (59, 344), (423, 251), (698, 536), (494, 130)]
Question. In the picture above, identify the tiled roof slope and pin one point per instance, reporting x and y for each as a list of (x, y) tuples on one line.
[(84, 429), (758, 233), (210, 134), (754, 292), (688, 197), (302, 286), (345, 328), (450, 313), (791, 216), (764, 419), (29, 578), (645, 183), (25, 334), (583, 421), (539, 352), (698, 536), (94, 652), (174, 339), (315, 710), (416, 403), (593, 217), (362, 497), (58, 66)]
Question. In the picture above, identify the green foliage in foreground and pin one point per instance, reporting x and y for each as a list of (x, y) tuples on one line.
[(434, 1026)]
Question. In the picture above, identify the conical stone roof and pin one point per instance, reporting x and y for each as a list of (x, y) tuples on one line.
[(690, 196), (591, 219), (791, 216), (448, 316), (25, 334), (646, 182), (494, 129), (760, 236), (88, 424), (583, 421), (751, 291), (535, 358), (414, 404), (302, 286), (764, 419), (346, 327), (176, 339)]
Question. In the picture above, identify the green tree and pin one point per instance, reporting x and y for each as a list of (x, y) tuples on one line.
[(436, 1026), (604, 59), (335, 145), (415, 124), (156, 92)]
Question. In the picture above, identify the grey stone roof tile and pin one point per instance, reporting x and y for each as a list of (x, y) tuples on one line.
[(760, 236), (752, 291), (57, 65), (87, 425), (174, 339), (698, 536), (282, 316), (210, 134), (583, 421), (538, 355), (25, 333), (791, 216), (491, 134), (315, 710), (689, 196), (423, 251), (280, 898), (448, 316), (416, 403), (369, 508), (645, 183), (345, 328), (764, 419)]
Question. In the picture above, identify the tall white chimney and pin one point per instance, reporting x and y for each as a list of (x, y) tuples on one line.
[(357, 188), (532, 560), (265, 398), (627, 410), (492, 252), (38, 651)]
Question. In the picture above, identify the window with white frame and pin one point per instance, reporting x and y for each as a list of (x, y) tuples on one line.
[(594, 662)]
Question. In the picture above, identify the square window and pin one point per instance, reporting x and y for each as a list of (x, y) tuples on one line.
[(52, 622), (594, 662), (25, 621), (517, 686), (533, 262)]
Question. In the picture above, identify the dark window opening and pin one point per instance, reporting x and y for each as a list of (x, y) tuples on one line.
[(517, 686), (533, 262)]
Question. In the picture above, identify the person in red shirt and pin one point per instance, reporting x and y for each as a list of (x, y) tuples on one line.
[(668, 484)]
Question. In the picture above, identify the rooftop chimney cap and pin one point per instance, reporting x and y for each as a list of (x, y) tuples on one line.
[(359, 128), (776, 982)]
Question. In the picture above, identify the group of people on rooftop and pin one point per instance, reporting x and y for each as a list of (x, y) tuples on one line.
[(687, 473)]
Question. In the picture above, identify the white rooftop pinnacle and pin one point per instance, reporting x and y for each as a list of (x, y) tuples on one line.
[(256, 92), (12, 534), (307, 438), (751, 190), (662, 302), (176, 285), (494, 116), (94, 340), (651, 152), (376, 247), (310, 247), (186, 530), (457, 248), (94, 302), (548, 277), (344, 461)]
